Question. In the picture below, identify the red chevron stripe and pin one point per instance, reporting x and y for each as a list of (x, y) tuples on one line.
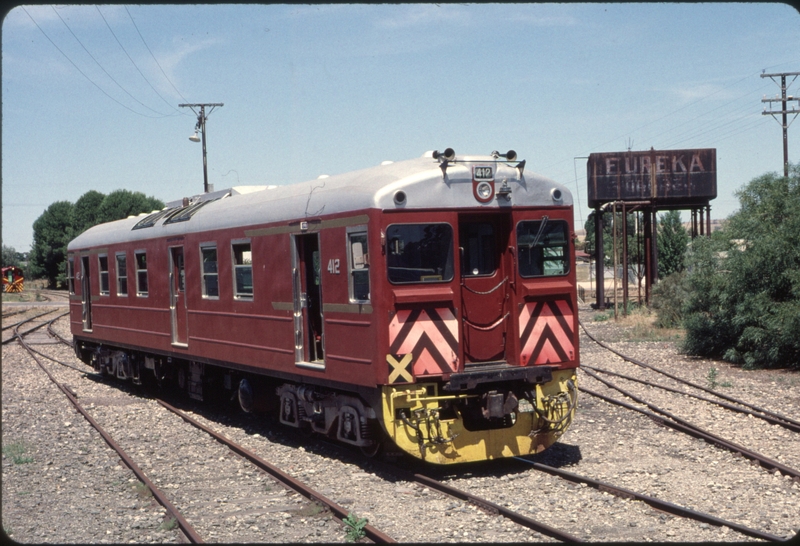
[(548, 325), (433, 352)]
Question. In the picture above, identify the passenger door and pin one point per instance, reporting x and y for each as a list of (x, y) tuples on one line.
[(177, 305), (308, 319), (86, 294), (483, 249)]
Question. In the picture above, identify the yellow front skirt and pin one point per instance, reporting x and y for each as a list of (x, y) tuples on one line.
[(420, 430)]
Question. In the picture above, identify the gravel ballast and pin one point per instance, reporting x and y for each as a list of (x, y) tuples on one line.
[(63, 484)]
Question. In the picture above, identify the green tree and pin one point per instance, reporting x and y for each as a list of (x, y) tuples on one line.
[(120, 204), (62, 221), (635, 253), (745, 299), (51, 233), (85, 214), (10, 257), (672, 241)]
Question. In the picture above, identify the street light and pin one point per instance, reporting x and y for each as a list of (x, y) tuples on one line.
[(201, 127)]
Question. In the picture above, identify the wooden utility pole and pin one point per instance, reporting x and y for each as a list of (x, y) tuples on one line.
[(783, 111), (201, 126)]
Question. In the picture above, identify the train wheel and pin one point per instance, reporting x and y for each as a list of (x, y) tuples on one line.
[(372, 450)]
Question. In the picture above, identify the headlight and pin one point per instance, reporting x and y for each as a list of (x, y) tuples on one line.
[(484, 191)]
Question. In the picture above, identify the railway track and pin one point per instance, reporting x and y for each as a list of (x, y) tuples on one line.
[(767, 415), (481, 496), (616, 490), (14, 327), (684, 425), (163, 498), (314, 496), (730, 423)]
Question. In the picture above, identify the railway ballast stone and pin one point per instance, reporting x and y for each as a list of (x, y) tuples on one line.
[(67, 486)]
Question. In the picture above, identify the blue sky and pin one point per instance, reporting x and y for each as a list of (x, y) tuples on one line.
[(90, 96)]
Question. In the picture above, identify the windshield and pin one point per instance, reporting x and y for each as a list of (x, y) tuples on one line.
[(543, 248), (419, 253)]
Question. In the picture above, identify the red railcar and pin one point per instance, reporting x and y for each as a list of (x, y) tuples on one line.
[(429, 302)]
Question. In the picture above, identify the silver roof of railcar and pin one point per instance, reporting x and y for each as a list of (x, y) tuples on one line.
[(423, 181)]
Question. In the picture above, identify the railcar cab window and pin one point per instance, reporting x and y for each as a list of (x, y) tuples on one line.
[(141, 273), (419, 253), (477, 247), (208, 262), (122, 274), (71, 275), (103, 259), (358, 265), (242, 270), (543, 248)]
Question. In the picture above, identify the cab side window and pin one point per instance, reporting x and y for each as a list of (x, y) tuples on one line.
[(358, 266)]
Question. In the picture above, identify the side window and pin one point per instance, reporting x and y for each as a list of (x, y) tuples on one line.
[(242, 270), (419, 253), (71, 275), (141, 273), (103, 259), (122, 274), (208, 258), (543, 248), (358, 266)]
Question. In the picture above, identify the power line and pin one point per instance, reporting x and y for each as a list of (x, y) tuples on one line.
[(134, 64), (153, 56), (101, 66), (724, 105), (81, 71), (706, 128)]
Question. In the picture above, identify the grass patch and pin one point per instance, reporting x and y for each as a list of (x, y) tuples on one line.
[(142, 490), (712, 376), (16, 452), (168, 524), (640, 324), (603, 316), (309, 510)]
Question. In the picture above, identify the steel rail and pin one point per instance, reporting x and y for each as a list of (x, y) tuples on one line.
[(681, 425), (652, 501), (162, 499), (484, 504), (12, 313), (686, 382), (48, 357), (18, 335), (767, 418), (56, 335), (496, 508), (371, 532), (20, 323)]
